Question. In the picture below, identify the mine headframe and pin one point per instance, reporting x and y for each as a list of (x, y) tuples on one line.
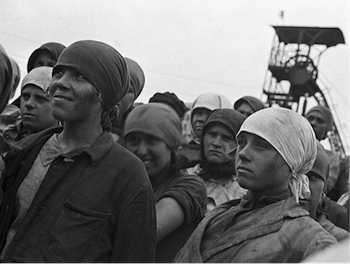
[(291, 78)]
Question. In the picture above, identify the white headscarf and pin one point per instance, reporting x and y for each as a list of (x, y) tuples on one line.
[(293, 138)]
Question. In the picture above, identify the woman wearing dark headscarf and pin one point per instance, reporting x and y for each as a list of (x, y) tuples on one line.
[(248, 105), (321, 120), (137, 81), (276, 147), (6, 79), (46, 55), (77, 195), (153, 133), (217, 151), (331, 216), (201, 108)]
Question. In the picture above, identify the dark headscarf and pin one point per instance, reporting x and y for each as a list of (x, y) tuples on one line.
[(327, 115), (321, 165), (6, 79), (232, 120), (253, 102), (137, 82), (158, 120), (172, 100), (103, 66), (54, 48)]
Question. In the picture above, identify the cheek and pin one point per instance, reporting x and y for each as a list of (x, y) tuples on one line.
[(131, 148), (229, 147)]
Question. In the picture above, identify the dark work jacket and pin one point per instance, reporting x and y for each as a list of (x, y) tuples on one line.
[(97, 206)]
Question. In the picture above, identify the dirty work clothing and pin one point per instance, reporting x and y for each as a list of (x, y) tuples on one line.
[(189, 191), (272, 231), (339, 233), (219, 190), (95, 206)]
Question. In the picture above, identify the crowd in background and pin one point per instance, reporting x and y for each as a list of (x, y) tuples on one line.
[(88, 175)]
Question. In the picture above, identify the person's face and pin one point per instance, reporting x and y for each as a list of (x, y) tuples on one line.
[(316, 185), (245, 109), (219, 144), (36, 110), (259, 167), (199, 116), (74, 99), (44, 59), (318, 124), (153, 152)]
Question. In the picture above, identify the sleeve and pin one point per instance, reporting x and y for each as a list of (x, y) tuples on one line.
[(190, 192), (135, 236)]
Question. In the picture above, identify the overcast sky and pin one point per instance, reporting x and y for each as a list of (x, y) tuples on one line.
[(186, 47)]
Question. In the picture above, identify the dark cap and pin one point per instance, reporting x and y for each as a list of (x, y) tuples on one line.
[(172, 100)]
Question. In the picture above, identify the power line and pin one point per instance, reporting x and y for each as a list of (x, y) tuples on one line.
[(201, 80)]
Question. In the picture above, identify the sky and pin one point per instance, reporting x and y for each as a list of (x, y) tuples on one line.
[(187, 47)]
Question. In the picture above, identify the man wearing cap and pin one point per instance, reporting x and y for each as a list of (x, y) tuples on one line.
[(72, 194)]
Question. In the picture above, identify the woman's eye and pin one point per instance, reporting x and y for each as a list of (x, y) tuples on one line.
[(80, 77), (132, 141), (241, 143), (152, 141), (261, 145), (58, 73)]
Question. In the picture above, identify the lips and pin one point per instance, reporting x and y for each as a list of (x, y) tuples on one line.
[(215, 152), (243, 169), (61, 97), (27, 115), (147, 162)]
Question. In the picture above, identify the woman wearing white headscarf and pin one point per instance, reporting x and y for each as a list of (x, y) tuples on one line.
[(276, 147)]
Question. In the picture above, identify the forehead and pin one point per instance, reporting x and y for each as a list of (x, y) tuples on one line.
[(245, 106), (142, 136), (201, 110), (43, 54), (315, 114), (33, 89), (250, 136), (219, 127)]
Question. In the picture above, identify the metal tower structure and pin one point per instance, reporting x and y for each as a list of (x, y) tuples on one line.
[(292, 75)]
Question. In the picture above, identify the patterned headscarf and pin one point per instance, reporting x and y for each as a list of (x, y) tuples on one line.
[(293, 138)]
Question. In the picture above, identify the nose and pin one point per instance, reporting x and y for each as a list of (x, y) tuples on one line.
[(142, 150), (243, 152), (30, 104), (216, 141), (61, 82)]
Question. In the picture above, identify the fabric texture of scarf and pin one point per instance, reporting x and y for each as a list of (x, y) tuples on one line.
[(293, 138), (158, 120), (40, 77)]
